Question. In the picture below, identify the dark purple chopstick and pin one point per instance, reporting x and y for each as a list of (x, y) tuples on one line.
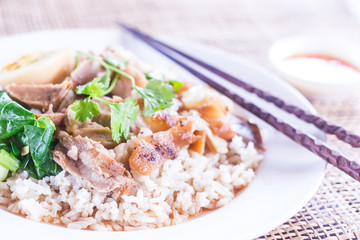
[(320, 123), (351, 168)]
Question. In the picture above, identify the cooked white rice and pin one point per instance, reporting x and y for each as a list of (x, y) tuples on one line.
[(181, 188)]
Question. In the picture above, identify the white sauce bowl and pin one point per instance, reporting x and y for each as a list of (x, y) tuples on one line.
[(311, 44)]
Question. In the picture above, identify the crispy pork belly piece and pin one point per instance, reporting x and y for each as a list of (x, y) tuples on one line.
[(150, 152), (199, 145), (162, 120), (215, 115), (89, 129), (85, 158), (212, 107), (39, 96)]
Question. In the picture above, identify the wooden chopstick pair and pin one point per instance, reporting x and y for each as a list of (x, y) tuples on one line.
[(351, 168)]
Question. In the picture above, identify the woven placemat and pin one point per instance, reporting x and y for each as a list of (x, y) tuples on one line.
[(244, 27)]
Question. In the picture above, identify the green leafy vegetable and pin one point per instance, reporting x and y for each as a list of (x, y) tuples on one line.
[(85, 109), (44, 122), (28, 164), (156, 95), (13, 117), (39, 140), (15, 149), (20, 136), (122, 114), (19, 128), (4, 144)]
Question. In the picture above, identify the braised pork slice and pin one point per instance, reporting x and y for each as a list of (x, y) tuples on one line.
[(69, 98), (215, 115), (85, 158), (57, 118), (89, 129), (86, 72), (39, 96), (150, 152), (123, 86)]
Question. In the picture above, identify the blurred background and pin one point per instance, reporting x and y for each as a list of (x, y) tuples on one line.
[(244, 27), (241, 26)]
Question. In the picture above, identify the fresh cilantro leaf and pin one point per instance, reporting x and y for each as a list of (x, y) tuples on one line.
[(84, 109), (77, 60), (105, 81), (154, 75), (176, 85), (122, 114), (156, 95), (148, 75), (94, 88)]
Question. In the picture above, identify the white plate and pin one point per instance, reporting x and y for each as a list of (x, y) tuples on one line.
[(285, 181)]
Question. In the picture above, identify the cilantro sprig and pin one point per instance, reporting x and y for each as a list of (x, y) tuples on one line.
[(122, 115), (156, 95)]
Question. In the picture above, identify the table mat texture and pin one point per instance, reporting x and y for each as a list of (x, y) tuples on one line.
[(244, 27)]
